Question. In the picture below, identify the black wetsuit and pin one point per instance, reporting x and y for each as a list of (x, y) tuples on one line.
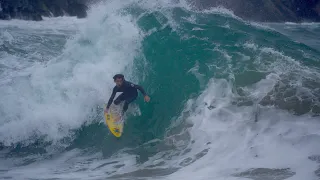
[(129, 94)]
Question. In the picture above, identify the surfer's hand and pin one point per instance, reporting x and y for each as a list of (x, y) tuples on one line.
[(146, 98), (106, 110)]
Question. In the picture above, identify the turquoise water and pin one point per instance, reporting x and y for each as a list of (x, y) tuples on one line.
[(230, 99)]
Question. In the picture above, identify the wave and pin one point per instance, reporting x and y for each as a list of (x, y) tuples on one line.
[(229, 99)]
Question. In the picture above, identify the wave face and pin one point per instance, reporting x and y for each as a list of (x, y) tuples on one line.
[(230, 99)]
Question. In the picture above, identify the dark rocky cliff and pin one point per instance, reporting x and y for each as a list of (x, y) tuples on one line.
[(35, 9), (257, 10)]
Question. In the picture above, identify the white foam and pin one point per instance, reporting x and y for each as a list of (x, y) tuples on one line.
[(250, 46), (197, 29), (6, 36), (261, 25), (74, 164), (47, 23), (221, 10), (50, 99), (197, 74), (302, 23), (277, 140)]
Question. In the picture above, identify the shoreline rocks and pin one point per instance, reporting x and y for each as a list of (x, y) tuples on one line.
[(261, 11), (36, 9)]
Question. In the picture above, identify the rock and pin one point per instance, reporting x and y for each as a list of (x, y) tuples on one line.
[(263, 10), (57, 7), (76, 9), (35, 9), (317, 9), (306, 9), (4, 16)]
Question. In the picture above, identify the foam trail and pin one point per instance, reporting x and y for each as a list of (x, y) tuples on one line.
[(49, 99)]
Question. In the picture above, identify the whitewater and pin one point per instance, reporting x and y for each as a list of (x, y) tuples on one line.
[(230, 99)]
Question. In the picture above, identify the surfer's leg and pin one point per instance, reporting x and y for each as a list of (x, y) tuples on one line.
[(120, 98), (127, 101)]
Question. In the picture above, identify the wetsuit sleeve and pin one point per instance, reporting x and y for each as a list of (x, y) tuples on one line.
[(114, 91), (140, 89)]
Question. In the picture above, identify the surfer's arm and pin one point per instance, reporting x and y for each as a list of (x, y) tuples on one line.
[(146, 97), (140, 89), (114, 91)]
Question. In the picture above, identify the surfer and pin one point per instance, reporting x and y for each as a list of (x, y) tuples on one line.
[(129, 92)]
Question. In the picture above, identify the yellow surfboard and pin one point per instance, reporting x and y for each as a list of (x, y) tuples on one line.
[(114, 122)]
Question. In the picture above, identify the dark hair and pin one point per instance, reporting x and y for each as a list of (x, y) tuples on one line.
[(118, 76)]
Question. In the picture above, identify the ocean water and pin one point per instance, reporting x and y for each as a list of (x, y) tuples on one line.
[(230, 99)]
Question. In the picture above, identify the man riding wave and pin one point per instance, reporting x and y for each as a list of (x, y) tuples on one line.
[(129, 93)]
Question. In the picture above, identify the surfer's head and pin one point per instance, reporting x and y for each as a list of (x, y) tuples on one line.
[(118, 79)]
